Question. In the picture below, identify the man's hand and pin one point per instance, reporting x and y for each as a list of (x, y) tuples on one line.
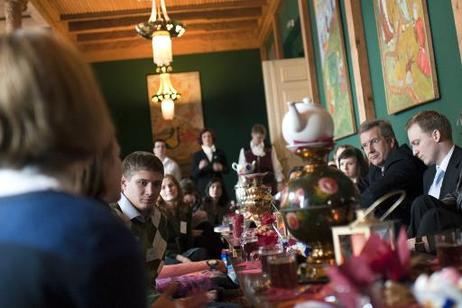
[(221, 266), (217, 167), (203, 163)]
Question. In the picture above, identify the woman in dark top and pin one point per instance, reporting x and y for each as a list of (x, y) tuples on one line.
[(209, 162), (180, 242), (215, 203), (353, 163)]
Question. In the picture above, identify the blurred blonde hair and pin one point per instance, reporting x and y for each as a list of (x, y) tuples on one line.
[(52, 113)]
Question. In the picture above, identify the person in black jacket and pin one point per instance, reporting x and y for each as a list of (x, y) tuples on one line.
[(209, 162), (392, 167), (430, 135)]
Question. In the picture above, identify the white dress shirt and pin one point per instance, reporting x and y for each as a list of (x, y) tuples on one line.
[(259, 150), (435, 188), (171, 167), (209, 151)]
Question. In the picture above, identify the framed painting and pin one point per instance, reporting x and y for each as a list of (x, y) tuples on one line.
[(457, 11), (182, 132), (335, 77), (406, 52)]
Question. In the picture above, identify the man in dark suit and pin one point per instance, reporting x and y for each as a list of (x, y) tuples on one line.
[(392, 168), (430, 135)]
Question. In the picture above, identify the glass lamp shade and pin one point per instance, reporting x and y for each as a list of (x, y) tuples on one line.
[(168, 109), (350, 240), (162, 48)]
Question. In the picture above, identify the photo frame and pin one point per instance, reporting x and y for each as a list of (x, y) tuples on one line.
[(181, 133), (336, 81), (406, 52)]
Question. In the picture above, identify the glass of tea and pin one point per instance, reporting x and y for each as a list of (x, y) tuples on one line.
[(449, 248), (249, 243), (282, 270), (264, 252)]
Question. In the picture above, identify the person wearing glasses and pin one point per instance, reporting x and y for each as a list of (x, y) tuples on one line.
[(392, 167)]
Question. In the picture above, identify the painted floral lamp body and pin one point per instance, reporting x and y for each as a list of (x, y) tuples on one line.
[(321, 196)]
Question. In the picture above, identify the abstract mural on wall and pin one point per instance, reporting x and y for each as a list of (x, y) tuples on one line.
[(182, 132), (406, 52), (334, 67)]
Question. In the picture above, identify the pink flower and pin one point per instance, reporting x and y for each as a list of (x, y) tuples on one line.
[(292, 221), (269, 238), (267, 219), (328, 185)]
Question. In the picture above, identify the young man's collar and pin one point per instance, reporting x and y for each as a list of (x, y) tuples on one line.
[(128, 209)]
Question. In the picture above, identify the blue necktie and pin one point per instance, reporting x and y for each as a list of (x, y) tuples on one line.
[(435, 189)]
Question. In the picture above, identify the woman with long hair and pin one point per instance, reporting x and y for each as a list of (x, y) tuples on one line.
[(215, 203), (179, 216)]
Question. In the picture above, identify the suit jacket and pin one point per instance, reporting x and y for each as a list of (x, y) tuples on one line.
[(450, 176), (203, 176), (401, 171)]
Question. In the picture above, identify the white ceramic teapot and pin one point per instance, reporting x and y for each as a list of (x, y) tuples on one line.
[(245, 168), (307, 123)]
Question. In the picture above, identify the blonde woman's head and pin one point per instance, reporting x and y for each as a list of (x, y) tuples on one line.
[(52, 113)]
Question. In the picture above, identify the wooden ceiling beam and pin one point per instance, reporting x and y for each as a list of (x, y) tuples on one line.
[(200, 7), (143, 51), (184, 17), (193, 28), (50, 14), (135, 42), (266, 24)]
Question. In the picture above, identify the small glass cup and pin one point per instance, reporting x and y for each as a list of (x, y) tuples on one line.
[(264, 252), (249, 244), (282, 270), (449, 248)]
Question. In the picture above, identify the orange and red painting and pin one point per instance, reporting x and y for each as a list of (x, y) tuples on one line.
[(408, 65), (181, 133)]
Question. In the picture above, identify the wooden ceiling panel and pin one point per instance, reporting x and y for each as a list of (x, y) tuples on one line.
[(104, 29)]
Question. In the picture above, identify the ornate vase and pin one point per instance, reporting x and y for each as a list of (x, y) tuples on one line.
[(254, 197), (322, 196), (258, 198)]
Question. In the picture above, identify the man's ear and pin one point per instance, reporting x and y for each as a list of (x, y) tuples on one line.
[(436, 135), (123, 182)]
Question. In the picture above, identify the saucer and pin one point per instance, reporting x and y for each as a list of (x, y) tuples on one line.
[(316, 144)]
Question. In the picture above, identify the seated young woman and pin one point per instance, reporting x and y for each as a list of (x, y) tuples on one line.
[(179, 217), (353, 163), (216, 203)]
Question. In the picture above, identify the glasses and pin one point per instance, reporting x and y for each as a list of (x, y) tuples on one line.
[(373, 141)]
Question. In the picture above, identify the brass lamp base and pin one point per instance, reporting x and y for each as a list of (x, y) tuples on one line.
[(322, 255)]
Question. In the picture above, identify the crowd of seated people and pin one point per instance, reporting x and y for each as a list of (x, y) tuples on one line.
[(110, 228)]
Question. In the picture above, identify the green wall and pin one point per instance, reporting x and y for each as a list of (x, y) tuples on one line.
[(233, 98), (448, 67)]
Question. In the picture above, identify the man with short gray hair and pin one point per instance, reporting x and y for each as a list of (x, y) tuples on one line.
[(393, 167)]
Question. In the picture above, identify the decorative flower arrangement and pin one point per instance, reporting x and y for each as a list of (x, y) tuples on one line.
[(441, 289), (265, 232), (364, 275)]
